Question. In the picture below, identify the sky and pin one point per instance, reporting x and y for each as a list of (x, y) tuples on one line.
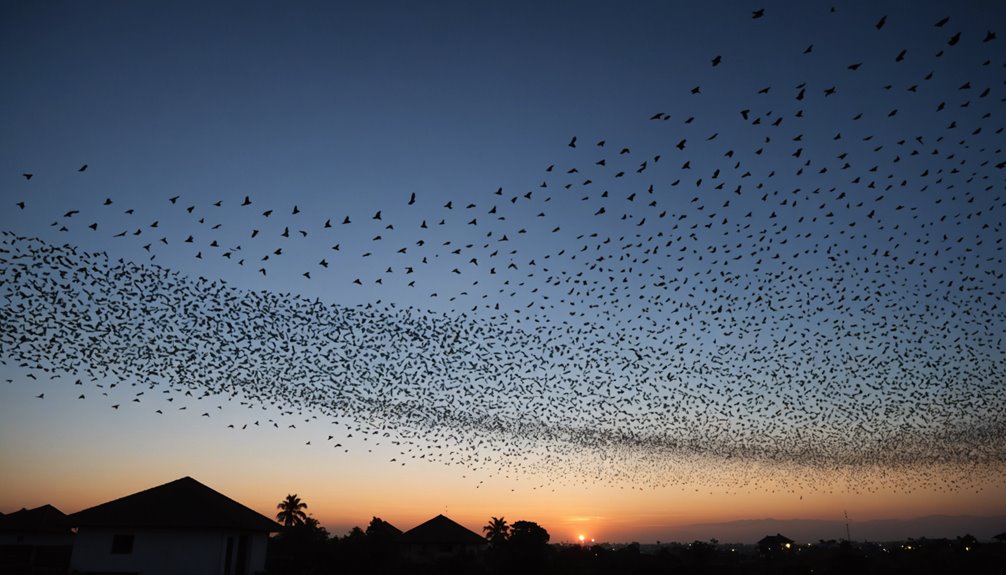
[(617, 268)]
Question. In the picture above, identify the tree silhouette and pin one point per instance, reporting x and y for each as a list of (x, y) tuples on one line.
[(497, 531), (527, 546), (291, 511), (528, 533), (302, 544), (380, 530)]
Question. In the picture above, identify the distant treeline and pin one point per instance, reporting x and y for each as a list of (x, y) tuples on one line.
[(308, 549)]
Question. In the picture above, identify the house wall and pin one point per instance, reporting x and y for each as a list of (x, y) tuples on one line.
[(257, 545), (42, 539), (35, 552), (166, 552)]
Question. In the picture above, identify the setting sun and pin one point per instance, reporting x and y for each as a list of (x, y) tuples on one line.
[(582, 538)]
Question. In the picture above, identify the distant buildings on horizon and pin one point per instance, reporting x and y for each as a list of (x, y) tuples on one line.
[(186, 527)]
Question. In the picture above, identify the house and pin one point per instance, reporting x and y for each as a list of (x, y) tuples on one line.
[(35, 541), (441, 538), (773, 544), (179, 527)]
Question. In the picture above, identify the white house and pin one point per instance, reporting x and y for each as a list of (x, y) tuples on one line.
[(179, 528)]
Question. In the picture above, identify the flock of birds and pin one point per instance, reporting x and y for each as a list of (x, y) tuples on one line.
[(791, 289)]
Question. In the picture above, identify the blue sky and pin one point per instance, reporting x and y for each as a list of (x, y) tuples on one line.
[(821, 268)]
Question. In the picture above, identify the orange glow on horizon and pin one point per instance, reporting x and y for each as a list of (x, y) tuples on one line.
[(344, 491)]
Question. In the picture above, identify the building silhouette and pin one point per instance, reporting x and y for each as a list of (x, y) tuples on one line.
[(37, 541), (439, 539), (179, 527)]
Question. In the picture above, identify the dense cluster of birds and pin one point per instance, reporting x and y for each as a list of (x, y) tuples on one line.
[(784, 286)]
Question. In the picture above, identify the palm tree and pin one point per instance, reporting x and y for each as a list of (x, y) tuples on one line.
[(291, 511), (497, 530)]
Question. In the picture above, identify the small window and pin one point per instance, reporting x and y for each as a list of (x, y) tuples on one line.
[(122, 544)]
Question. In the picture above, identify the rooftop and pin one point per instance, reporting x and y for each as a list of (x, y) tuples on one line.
[(183, 503), (440, 529), (44, 519)]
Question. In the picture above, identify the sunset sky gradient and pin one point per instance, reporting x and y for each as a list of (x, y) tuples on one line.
[(348, 108)]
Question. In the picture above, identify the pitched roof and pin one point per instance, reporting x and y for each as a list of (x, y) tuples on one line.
[(183, 503), (777, 539), (44, 519), (440, 529)]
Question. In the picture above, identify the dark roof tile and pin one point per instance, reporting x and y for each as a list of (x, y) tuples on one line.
[(441, 530), (44, 519), (184, 503)]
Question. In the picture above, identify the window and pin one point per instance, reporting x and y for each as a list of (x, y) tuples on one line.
[(122, 544)]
